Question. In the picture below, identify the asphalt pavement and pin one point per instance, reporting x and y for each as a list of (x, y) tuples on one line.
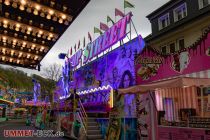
[(20, 125)]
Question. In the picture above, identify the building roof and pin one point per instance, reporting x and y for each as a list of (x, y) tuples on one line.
[(161, 8), (30, 28)]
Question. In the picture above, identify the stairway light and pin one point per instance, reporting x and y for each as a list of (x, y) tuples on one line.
[(23, 2), (48, 16), (22, 7), (36, 12), (60, 21), (5, 23), (63, 16), (29, 10), (14, 4), (7, 2)]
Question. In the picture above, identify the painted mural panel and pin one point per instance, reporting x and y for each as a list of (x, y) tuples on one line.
[(153, 66), (115, 69)]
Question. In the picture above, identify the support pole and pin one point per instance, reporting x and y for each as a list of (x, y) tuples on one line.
[(202, 103), (134, 27)]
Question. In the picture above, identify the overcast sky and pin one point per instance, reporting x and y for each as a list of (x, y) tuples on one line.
[(94, 13)]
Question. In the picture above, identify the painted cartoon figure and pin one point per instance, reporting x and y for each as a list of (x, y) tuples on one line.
[(143, 110), (180, 61), (208, 51), (184, 60), (176, 63)]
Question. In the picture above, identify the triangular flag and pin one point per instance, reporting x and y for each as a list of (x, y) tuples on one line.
[(89, 36), (84, 42), (79, 44), (103, 26), (109, 19), (75, 47), (128, 4), (70, 51), (118, 13), (96, 30)]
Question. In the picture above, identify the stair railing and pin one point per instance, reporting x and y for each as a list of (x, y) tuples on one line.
[(83, 115)]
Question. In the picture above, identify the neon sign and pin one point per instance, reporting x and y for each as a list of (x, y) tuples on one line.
[(95, 90), (110, 37)]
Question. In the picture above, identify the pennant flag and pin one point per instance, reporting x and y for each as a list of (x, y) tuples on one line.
[(103, 26), (75, 47), (128, 4), (79, 44), (118, 13), (70, 51), (84, 42), (96, 30), (89, 36), (109, 19)]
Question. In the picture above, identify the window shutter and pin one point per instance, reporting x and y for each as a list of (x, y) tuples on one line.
[(159, 24), (200, 3), (175, 16)]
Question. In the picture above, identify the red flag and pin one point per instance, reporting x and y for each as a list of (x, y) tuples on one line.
[(89, 36), (75, 47), (103, 26), (79, 44), (118, 13), (84, 42), (70, 51)]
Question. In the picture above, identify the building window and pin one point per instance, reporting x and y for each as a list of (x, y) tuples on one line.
[(180, 12), (180, 43), (163, 21), (203, 3), (164, 49), (172, 47)]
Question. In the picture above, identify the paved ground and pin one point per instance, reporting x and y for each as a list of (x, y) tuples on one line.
[(20, 125)]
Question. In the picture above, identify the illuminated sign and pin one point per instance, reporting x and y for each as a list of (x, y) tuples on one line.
[(110, 37)]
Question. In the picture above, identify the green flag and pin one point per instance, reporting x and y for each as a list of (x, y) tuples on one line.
[(109, 19), (128, 4), (96, 30)]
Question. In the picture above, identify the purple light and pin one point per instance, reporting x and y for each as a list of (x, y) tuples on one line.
[(95, 90)]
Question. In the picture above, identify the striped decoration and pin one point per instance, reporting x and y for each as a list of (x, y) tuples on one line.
[(181, 98), (201, 74)]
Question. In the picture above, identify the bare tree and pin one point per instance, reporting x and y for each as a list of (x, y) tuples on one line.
[(52, 72)]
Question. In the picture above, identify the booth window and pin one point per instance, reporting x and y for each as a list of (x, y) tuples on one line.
[(203, 3), (163, 21), (180, 12)]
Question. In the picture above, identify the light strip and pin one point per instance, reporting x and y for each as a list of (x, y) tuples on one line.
[(38, 8), (26, 27), (10, 39), (95, 90), (63, 97)]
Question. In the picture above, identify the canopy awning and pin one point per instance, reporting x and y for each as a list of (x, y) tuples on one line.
[(171, 83)]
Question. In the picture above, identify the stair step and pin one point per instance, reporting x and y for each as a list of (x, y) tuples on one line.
[(91, 119), (94, 137), (92, 132), (92, 124), (93, 128)]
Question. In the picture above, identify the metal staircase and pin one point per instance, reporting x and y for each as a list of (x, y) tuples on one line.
[(90, 126), (93, 130)]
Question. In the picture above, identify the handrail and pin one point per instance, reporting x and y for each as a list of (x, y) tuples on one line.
[(83, 115)]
